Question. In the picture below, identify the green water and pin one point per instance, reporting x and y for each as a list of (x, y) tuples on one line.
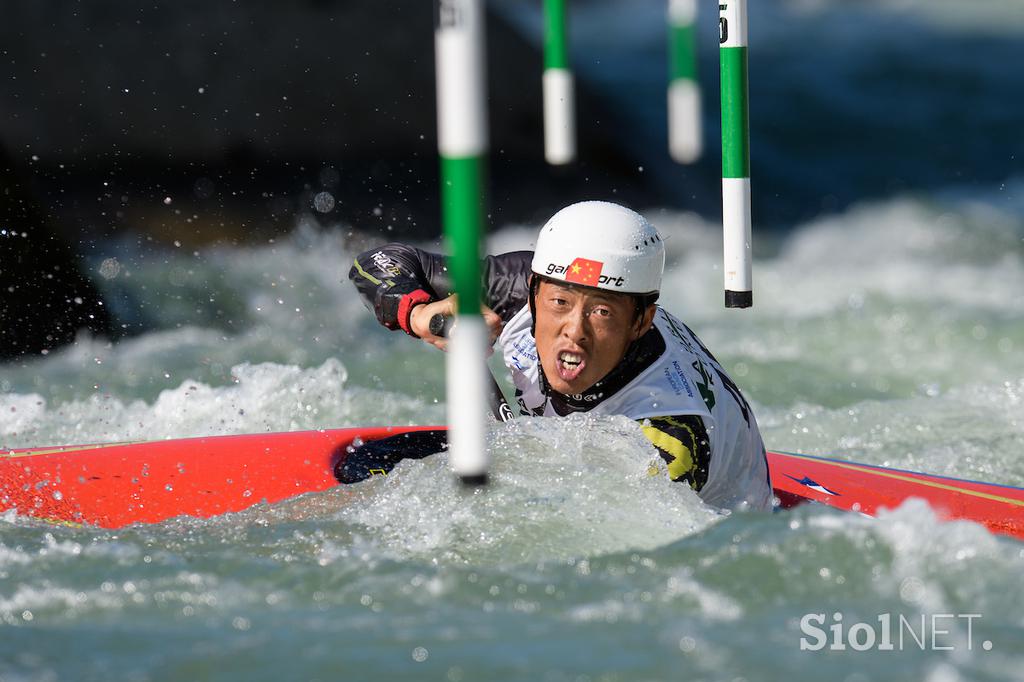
[(891, 334)]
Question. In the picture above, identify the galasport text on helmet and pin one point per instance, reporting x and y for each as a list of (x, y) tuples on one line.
[(603, 245)]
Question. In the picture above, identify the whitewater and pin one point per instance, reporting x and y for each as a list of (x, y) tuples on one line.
[(887, 328), (885, 334)]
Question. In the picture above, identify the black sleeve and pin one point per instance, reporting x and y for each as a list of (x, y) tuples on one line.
[(395, 275), (507, 281), (391, 279), (683, 443)]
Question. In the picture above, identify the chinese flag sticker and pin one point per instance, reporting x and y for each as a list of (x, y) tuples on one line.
[(585, 272)]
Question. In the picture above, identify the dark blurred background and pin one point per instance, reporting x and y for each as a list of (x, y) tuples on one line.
[(198, 122)]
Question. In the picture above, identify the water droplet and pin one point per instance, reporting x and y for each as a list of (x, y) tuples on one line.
[(323, 202), (110, 268)]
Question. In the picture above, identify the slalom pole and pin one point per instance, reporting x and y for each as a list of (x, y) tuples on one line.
[(462, 143), (502, 411), (732, 25), (684, 111), (559, 93)]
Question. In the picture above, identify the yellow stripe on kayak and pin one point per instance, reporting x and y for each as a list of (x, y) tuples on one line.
[(66, 450), (909, 479)]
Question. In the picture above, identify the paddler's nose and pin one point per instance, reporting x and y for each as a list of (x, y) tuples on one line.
[(576, 327)]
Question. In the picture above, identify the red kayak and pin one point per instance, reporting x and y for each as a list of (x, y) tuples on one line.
[(117, 484), (867, 488)]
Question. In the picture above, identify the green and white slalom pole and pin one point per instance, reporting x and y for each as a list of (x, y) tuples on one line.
[(559, 91), (684, 122), (462, 143), (732, 25)]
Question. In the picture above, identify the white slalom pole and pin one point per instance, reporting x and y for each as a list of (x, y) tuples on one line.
[(684, 110), (736, 223), (466, 376), (462, 143), (559, 89)]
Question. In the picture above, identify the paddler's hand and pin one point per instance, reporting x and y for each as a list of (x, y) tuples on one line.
[(419, 320)]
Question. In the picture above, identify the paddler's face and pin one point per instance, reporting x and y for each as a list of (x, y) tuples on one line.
[(582, 333)]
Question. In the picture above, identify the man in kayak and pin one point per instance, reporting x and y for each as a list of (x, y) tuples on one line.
[(579, 329)]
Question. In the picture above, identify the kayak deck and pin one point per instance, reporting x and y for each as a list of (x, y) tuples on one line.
[(116, 484), (868, 488)]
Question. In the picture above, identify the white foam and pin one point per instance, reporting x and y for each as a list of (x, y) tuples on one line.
[(560, 488), (262, 398)]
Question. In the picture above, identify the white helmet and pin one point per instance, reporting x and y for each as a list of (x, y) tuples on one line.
[(603, 245)]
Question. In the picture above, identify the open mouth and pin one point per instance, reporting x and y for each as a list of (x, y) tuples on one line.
[(570, 365)]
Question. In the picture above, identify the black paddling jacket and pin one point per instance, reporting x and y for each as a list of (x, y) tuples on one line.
[(394, 278)]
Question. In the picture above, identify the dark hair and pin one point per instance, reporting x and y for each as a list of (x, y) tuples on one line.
[(643, 302)]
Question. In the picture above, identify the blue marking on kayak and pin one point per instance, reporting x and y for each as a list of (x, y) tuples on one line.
[(808, 482), (848, 464)]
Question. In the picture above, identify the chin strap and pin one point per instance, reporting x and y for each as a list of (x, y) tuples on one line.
[(534, 284)]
